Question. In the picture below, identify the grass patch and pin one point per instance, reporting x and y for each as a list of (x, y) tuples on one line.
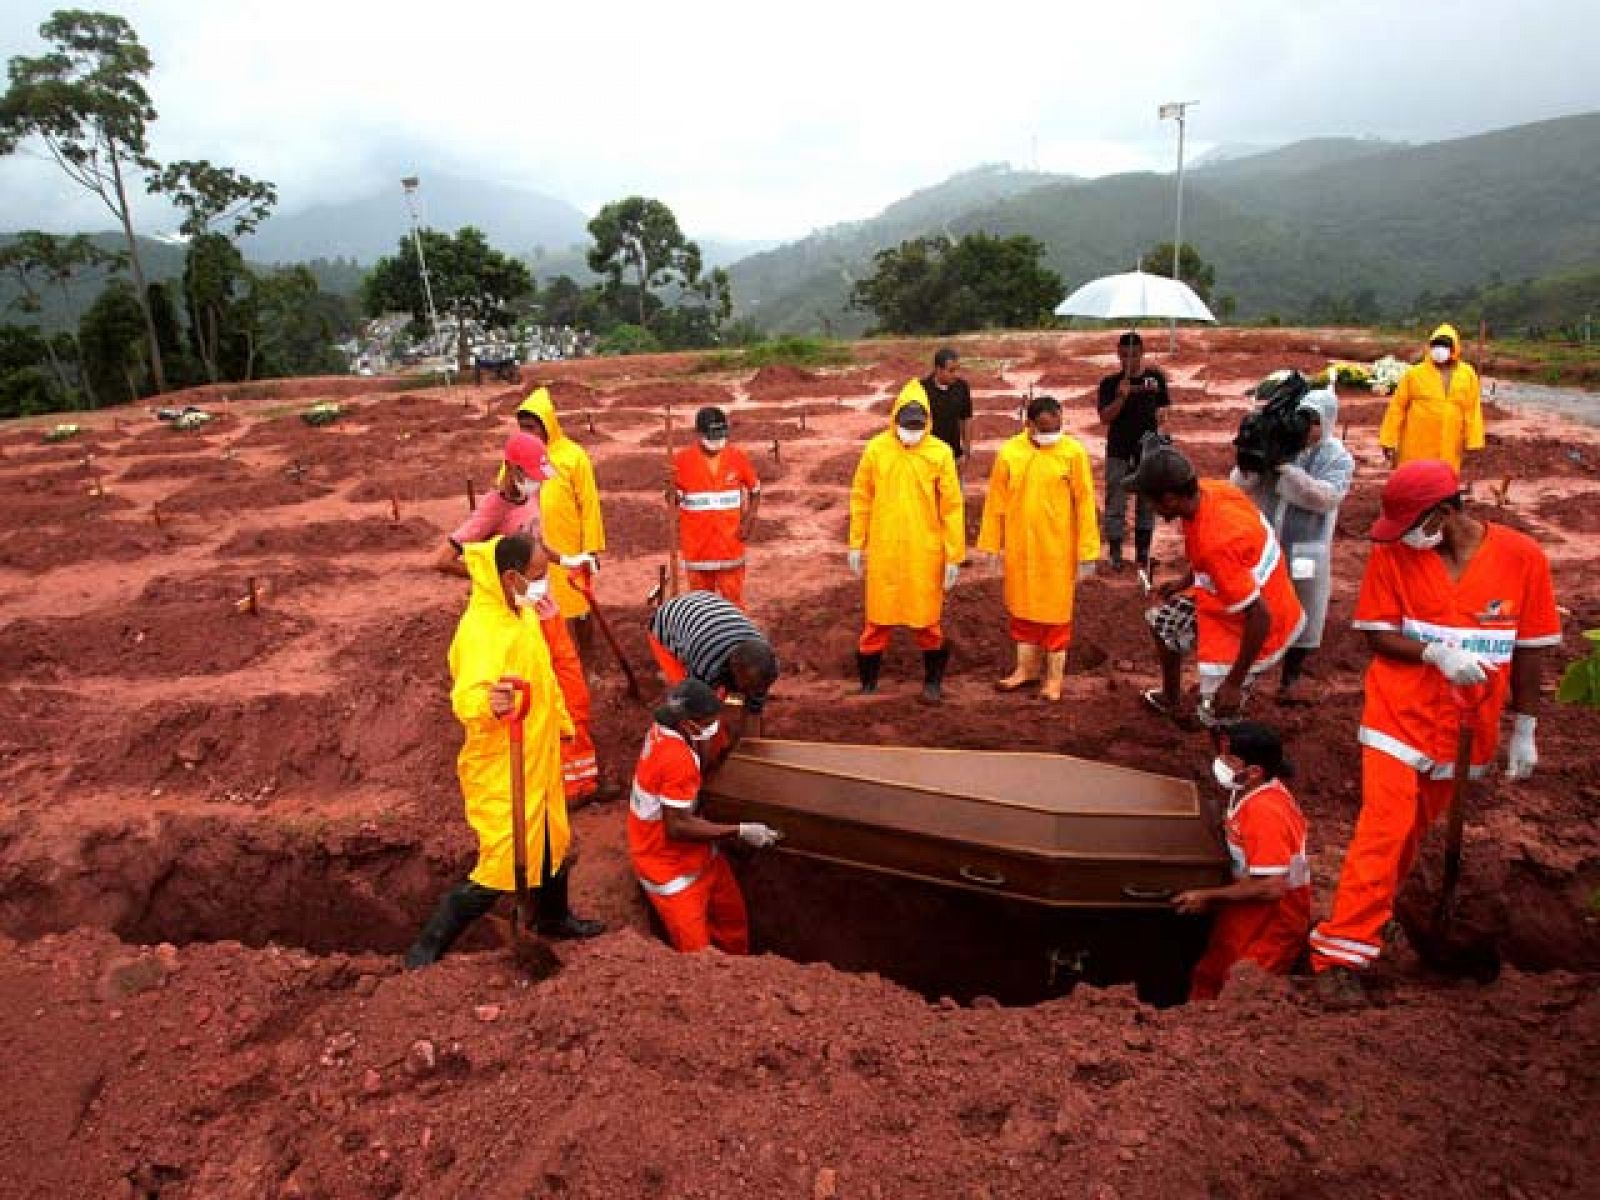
[(787, 351)]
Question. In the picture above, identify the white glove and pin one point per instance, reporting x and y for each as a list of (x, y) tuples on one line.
[(753, 833), (1455, 664), (1085, 571), (854, 559), (1522, 755), (578, 562), (952, 572)]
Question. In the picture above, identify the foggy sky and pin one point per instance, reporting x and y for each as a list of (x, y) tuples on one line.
[(759, 121)]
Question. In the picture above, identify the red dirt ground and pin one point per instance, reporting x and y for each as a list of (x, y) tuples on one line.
[(273, 797)]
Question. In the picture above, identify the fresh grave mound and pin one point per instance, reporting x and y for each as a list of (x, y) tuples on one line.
[(69, 505), (172, 467), (406, 483), (245, 490), (688, 393), (836, 469), (330, 538), (35, 548), (169, 441), (1530, 457), (1571, 514), (143, 640), (773, 383)]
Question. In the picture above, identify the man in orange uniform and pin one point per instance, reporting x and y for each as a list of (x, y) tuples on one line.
[(1265, 914), (717, 495), (1236, 608), (1437, 410), (908, 535), (674, 852), (1458, 613)]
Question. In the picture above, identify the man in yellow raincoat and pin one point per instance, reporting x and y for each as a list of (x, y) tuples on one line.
[(1437, 409), (570, 507), (498, 640), (1039, 515), (908, 534)]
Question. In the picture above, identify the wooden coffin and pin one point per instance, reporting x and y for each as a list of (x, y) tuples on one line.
[(1043, 828)]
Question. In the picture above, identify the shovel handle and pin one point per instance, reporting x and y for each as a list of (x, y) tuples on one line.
[(523, 691)]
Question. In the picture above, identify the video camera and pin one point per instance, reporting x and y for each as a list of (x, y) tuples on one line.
[(1275, 431)]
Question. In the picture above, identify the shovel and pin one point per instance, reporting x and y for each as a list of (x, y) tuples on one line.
[(1444, 945), (531, 953), (582, 581)]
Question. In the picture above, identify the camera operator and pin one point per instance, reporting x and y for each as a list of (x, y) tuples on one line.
[(1132, 403), (1301, 498)]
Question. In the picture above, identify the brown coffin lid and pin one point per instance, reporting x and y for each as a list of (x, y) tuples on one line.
[(1039, 805)]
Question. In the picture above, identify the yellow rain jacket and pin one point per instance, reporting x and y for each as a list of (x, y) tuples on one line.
[(1040, 514), (493, 640), (906, 513), (1423, 421), (569, 504)]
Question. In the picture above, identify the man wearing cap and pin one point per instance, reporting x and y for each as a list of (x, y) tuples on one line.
[(908, 536), (1132, 403), (511, 508), (675, 852), (1437, 409), (1458, 613), (717, 495), (1236, 608)]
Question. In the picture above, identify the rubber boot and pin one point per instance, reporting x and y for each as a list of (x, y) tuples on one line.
[(1055, 672), (868, 666), (1029, 659), (556, 919), (933, 665), (1114, 555), (1141, 547), (458, 908)]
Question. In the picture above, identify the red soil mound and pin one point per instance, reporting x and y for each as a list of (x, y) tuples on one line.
[(329, 538), (241, 490)]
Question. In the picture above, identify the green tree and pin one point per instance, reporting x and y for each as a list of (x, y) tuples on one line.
[(37, 261), (561, 301), (638, 239), (212, 197), (86, 101), (25, 386), (1192, 269), (296, 325), (469, 278), (936, 285), (112, 332)]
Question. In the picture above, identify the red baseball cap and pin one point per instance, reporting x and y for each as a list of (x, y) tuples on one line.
[(528, 452), (1412, 490)]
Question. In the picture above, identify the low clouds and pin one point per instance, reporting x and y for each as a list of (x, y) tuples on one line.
[(755, 121)]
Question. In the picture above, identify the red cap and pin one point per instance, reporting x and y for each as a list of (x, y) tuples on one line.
[(1412, 490), (528, 452)]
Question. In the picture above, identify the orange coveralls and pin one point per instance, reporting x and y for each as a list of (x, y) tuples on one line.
[(710, 492), (1504, 601), (690, 884)]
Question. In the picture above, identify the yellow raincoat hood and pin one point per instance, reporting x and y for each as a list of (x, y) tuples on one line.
[(1447, 331), (569, 504), (912, 393), (540, 405), (493, 640)]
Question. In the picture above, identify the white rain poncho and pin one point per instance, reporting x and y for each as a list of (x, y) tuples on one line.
[(1302, 502)]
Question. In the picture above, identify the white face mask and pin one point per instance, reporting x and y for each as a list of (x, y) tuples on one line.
[(1439, 354), (1250, 478), (909, 437), (713, 445), (1420, 539), (708, 731), (536, 591), (1046, 439), (1226, 777), (526, 489)]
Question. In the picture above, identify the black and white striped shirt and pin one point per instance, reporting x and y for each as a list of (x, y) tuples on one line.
[(700, 630)]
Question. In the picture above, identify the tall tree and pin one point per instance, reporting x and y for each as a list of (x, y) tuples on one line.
[(86, 101), (639, 237), (1192, 269), (214, 197), (111, 333), (936, 285), (295, 325)]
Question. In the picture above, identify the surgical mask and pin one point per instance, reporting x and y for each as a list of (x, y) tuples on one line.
[(526, 489), (708, 731), (909, 437), (713, 445), (1439, 354), (1226, 776), (536, 591), (1421, 539), (1250, 478), (1046, 439)]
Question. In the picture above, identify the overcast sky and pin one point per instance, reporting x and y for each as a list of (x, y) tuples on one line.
[(759, 121)]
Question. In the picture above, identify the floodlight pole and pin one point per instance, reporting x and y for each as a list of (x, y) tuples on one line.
[(1178, 111), (409, 185)]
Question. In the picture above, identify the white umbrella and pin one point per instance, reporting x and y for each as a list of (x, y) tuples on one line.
[(1123, 297)]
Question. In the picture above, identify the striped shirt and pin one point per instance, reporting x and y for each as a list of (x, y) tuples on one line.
[(700, 630)]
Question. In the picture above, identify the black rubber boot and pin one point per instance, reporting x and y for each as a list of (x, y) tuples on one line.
[(868, 666), (556, 919), (458, 908), (1114, 555), (933, 665), (583, 641), (1141, 547), (1294, 662)]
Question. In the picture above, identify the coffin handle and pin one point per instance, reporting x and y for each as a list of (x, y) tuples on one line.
[(1132, 891), (974, 875)]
